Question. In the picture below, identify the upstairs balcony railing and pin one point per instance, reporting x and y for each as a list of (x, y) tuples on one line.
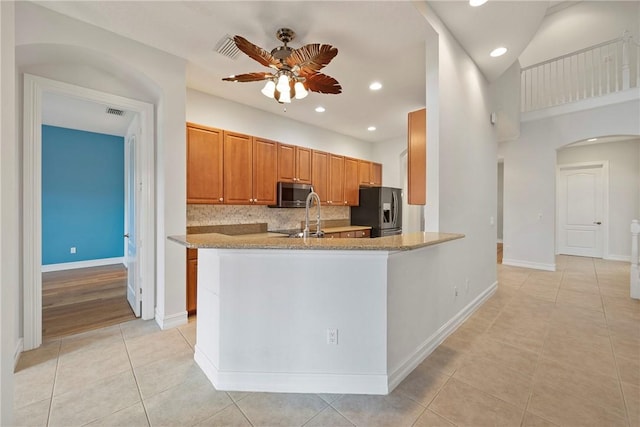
[(606, 68)]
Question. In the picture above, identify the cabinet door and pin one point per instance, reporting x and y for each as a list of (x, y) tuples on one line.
[(417, 158), (364, 172), (265, 165), (336, 181), (320, 174), (303, 165), (351, 182), (363, 233), (192, 280), (376, 174), (204, 165), (238, 162), (286, 163)]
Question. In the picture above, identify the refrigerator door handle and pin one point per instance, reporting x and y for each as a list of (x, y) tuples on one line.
[(395, 208)]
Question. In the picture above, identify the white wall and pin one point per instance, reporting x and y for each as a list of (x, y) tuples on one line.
[(624, 187), (462, 147), (55, 46), (389, 153), (499, 221), (209, 110), (530, 171), (583, 24), (9, 212)]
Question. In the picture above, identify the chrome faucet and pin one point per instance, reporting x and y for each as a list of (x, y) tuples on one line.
[(312, 196)]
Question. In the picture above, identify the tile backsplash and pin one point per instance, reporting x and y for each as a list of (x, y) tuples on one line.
[(276, 218)]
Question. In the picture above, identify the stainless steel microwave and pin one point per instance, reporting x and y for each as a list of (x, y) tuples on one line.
[(292, 195)]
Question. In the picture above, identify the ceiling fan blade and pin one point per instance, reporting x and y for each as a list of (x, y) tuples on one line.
[(256, 53), (312, 57), (318, 82), (249, 77)]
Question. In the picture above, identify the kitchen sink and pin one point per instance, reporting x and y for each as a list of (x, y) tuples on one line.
[(300, 234)]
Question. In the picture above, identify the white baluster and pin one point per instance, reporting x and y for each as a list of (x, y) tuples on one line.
[(626, 45), (635, 274)]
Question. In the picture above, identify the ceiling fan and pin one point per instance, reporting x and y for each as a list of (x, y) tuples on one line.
[(296, 70)]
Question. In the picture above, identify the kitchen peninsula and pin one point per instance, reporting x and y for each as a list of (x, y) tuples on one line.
[(322, 315)]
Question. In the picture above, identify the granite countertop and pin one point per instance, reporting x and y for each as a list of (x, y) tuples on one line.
[(266, 240)]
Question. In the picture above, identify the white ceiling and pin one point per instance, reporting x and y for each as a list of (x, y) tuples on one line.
[(377, 40), (86, 115)]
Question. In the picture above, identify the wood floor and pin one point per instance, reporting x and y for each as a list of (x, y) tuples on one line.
[(499, 253), (82, 299)]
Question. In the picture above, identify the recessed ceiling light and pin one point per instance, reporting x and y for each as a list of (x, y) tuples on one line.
[(476, 3), (320, 109), (592, 139), (371, 128), (499, 51), (375, 86)]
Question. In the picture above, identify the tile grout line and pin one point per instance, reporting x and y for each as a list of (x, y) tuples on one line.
[(319, 412), (246, 417), (135, 377), (53, 386), (434, 398), (613, 352)]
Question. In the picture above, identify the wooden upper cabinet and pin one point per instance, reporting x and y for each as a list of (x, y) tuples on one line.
[(286, 163), (204, 164), (417, 158), (364, 172), (320, 174), (238, 163), (369, 173), (294, 164), (351, 182), (376, 174), (265, 167), (336, 181), (304, 165)]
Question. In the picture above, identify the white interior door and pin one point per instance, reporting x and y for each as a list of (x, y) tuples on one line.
[(130, 236), (581, 210)]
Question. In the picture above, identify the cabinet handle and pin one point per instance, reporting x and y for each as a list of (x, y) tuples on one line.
[(221, 199)]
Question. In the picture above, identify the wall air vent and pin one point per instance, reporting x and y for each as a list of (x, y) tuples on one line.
[(227, 47), (115, 111)]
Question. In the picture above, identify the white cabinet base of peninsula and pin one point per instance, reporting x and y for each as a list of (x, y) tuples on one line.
[(264, 315)]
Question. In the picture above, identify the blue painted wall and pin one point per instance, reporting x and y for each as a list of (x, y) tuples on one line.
[(82, 195)]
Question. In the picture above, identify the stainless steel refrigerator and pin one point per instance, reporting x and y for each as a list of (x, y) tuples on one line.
[(381, 209)]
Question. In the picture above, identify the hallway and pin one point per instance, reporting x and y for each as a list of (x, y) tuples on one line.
[(549, 348)]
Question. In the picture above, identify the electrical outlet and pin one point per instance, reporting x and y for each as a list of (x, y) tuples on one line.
[(72, 250), (332, 336)]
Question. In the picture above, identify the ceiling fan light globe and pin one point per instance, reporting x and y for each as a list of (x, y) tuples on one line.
[(283, 83), (301, 91), (285, 97), (269, 89)]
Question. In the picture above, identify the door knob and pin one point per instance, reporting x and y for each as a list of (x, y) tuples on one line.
[(126, 235), (597, 222)]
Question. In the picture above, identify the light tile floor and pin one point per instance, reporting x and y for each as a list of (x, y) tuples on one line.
[(549, 348)]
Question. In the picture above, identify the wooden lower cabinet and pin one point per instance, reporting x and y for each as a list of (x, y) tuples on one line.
[(348, 234), (192, 280)]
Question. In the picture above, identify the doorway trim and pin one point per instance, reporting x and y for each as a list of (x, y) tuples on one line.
[(604, 165), (34, 88)]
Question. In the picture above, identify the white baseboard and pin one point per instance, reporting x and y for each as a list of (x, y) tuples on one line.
[(528, 264), (18, 351), (82, 264), (426, 348), (172, 321), (500, 241), (290, 382), (610, 257)]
